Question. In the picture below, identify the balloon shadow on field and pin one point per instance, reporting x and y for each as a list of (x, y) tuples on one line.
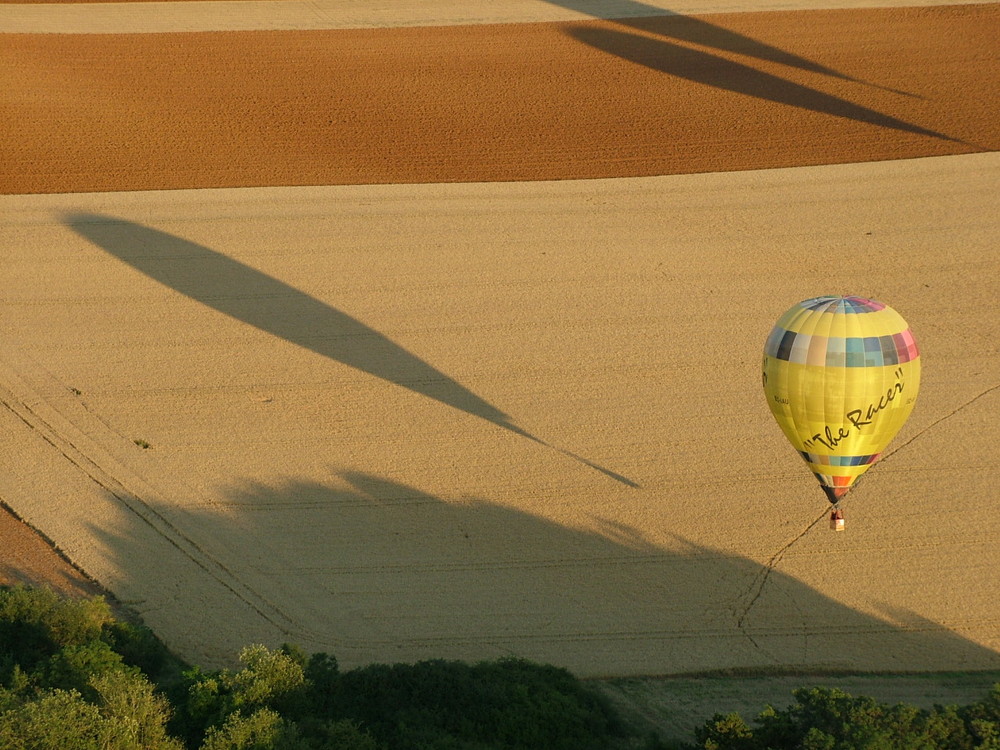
[(374, 570), (655, 38), (718, 72), (693, 29), (272, 306)]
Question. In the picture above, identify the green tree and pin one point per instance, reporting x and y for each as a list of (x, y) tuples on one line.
[(56, 720), (830, 719), (72, 667), (126, 715), (264, 729), (727, 731), (983, 720), (268, 678), (272, 680), (37, 623), (134, 716), (139, 647), (510, 703)]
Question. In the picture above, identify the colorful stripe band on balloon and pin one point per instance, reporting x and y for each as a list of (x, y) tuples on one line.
[(820, 460), (835, 351)]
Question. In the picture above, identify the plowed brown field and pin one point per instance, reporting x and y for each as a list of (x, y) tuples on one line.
[(28, 558), (662, 95)]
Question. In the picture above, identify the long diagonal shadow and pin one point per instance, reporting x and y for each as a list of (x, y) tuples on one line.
[(718, 72), (696, 30), (270, 305)]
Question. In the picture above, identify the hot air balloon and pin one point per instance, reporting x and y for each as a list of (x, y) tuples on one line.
[(841, 375)]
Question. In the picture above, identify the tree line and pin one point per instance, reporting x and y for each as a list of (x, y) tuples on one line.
[(75, 677)]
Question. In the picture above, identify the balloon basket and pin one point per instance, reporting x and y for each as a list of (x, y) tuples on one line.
[(836, 520)]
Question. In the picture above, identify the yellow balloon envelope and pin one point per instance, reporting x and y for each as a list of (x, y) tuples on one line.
[(841, 375)]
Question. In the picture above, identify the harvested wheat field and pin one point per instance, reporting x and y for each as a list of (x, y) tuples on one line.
[(435, 331)]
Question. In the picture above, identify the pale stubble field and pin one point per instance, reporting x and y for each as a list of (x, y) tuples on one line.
[(482, 412)]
